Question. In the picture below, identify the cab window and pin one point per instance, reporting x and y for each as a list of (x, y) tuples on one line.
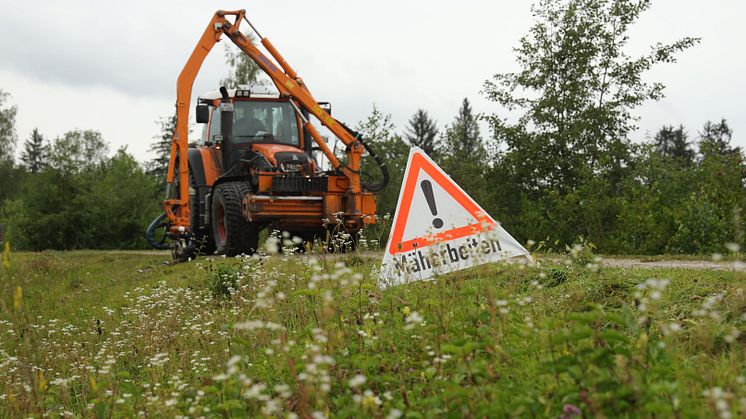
[(259, 122), (214, 125), (265, 122)]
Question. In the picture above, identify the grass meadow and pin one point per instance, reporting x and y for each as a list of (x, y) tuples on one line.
[(117, 334)]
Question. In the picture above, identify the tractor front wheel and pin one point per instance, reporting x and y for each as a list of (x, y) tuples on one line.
[(233, 234)]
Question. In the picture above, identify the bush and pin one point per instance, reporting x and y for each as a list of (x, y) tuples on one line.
[(222, 281)]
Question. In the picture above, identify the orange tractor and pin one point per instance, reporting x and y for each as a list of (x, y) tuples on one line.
[(255, 165)]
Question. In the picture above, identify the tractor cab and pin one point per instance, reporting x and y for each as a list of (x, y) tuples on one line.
[(262, 123)]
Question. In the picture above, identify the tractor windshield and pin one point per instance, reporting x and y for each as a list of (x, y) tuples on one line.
[(258, 121), (264, 122)]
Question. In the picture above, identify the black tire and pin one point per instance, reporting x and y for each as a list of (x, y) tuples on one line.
[(232, 233)]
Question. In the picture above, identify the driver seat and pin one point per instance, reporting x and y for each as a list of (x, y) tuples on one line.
[(248, 126)]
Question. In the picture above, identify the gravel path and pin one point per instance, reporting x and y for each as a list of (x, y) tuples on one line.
[(676, 264)]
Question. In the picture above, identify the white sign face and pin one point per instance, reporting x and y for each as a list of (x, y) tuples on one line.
[(438, 228)]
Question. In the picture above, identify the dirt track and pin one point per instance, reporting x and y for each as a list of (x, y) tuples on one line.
[(669, 264)]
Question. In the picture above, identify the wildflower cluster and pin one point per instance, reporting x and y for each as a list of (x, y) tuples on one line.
[(310, 336), (720, 401)]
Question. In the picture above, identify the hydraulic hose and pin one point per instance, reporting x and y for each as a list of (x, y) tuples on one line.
[(373, 187), (150, 233)]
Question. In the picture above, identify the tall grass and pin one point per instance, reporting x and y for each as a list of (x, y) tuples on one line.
[(95, 334)]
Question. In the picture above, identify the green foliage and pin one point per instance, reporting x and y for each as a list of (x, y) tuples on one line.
[(243, 70), (667, 207), (77, 151), (581, 252), (298, 335), (11, 182), (715, 140), (464, 156), (161, 147), (422, 132), (566, 167), (379, 132), (222, 280), (462, 139), (34, 155), (11, 176), (83, 199), (667, 200), (672, 142), (8, 136), (575, 92)]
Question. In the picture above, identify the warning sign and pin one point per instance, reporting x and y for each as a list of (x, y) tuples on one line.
[(438, 228)]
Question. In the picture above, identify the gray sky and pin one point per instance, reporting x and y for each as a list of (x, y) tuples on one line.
[(112, 66)]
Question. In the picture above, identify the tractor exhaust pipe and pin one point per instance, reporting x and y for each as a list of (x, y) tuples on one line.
[(226, 128)]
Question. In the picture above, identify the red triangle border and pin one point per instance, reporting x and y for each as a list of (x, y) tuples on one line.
[(420, 162)]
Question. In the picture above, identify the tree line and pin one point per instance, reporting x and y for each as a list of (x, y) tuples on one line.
[(557, 163), (678, 193), (70, 193)]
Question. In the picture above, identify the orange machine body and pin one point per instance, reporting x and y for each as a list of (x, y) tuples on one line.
[(312, 211), (306, 199)]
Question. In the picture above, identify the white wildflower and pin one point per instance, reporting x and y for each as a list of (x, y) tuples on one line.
[(733, 247), (357, 381), (413, 319), (394, 414)]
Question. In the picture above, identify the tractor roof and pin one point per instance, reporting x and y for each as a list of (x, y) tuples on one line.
[(256, 91)]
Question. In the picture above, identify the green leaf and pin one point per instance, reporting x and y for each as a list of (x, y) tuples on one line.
[(448, 348), (100, 409), (615, 318), (587, 317), (659, 407), (611, 335), (579, 333)]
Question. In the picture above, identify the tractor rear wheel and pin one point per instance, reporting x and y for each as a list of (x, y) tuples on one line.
[(233, 234)]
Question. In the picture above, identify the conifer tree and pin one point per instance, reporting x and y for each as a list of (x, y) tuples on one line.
[(462, 138), (158, 166), (714, 139), (423, 133), (673, 142), (34, 152)]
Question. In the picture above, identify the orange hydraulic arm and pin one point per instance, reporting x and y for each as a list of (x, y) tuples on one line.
[(288, 84)]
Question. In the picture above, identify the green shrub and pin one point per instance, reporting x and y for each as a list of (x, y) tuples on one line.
[(222, 281)]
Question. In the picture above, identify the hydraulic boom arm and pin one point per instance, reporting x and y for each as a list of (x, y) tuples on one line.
[(288, 84)]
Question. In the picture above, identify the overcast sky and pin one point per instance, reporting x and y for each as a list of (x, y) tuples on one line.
[(112, 66)]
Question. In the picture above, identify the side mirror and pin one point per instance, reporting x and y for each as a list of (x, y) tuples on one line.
[(326, 106), (203, 113)]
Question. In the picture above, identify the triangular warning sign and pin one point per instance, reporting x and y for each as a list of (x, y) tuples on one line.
[(438, 228)]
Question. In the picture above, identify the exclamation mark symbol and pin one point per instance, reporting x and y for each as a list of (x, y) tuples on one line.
[(427, 189)]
